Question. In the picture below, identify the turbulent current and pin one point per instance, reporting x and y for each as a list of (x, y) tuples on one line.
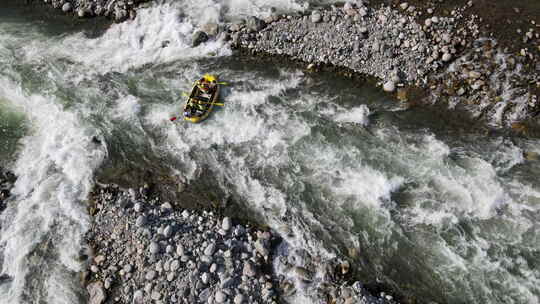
[(421, 201)]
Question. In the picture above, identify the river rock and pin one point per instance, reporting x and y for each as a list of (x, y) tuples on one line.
[(474, 75), (198, 38), (150, 275), (316, 17), (249, 269), (66, 7), (211, 29), (255, 24), (108, 283), (220, 297), (446, 57), (180, 250), (239, 299), (363, 12), (138, 297), (120, 15), (205, 277), (96, 292), (477, 84), (168, 231), (210, 249), (141, 221), (263, 247), (127, 268), (389, 86), (303, 273), (99, 10), (81, 12), (154, 248), (156, 295), (226, 224), (175, 264)]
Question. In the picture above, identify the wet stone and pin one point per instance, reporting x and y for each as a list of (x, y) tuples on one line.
[(220, 297), (156, 295), (141, 221), (210, 249), (226, 224), (150, 275), (175, 264), (154, 248)]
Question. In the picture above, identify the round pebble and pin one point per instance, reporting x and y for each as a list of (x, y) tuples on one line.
[(220, 297)]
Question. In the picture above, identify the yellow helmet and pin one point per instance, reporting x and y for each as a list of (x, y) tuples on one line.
[(209, 78)]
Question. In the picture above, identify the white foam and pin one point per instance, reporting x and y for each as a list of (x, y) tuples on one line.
[(54, 169), (127, 108), (135, 43), (359, 115), (274, 137)]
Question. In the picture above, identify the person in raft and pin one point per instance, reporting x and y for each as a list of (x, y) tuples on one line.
[(206, 86)]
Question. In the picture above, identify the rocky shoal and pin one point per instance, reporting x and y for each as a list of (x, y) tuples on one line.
[(403, 46), (118, 10), (143, 250), (446, 56)]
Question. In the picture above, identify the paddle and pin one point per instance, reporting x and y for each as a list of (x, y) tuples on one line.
[(214, 103)]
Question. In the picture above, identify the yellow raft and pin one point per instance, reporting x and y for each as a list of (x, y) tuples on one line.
[(202, 99)]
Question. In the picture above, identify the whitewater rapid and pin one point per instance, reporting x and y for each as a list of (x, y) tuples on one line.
[(334, 168)]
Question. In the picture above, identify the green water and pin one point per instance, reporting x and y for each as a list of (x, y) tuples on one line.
[(438, 207)]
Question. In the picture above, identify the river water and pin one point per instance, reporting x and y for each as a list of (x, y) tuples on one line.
[(429, 203)]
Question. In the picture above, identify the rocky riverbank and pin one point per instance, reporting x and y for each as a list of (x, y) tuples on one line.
[(446, 56), (144, 250), (455, 57), (118, 10)]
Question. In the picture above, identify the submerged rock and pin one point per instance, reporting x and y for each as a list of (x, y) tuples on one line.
[(389, 86), (66, 7), (255, 24), (198, 38)]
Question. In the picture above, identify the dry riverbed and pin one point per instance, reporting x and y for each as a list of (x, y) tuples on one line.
[(144, 250)]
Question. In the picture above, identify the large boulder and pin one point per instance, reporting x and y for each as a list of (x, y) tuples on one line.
[(198, 38), (66, 7), (211, 29), (255, 24), (389, 86), (316, 17), (120, 14), (96, 292)]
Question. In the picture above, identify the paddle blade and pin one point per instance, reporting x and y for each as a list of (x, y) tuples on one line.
[(172, 118)]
